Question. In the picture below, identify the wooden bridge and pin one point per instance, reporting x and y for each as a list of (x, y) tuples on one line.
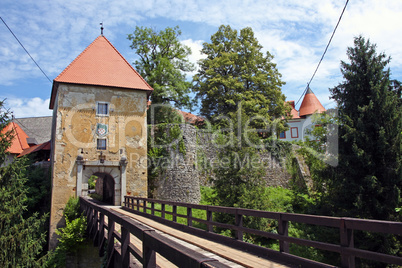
[(153, 233)]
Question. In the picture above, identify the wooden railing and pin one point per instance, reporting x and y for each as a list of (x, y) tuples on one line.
[(104, 234), (345, 226)]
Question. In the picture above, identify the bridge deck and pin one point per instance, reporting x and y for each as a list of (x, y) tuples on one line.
[(232, 257)]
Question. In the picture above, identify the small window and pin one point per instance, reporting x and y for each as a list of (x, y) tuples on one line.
[(294, 132), (282, 135), (102, 108), (101, 144)]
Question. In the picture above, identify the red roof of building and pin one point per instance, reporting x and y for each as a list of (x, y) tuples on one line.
[(294, 113), (191, 118), (19, 141), (39, 147), (102, 65), (310, 104)]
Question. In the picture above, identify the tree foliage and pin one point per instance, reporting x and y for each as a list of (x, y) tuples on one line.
[(236, 70), (163, 61), (368, 178), (21, 238)]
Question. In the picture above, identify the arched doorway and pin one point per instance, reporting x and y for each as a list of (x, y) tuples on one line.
[(105, 187)]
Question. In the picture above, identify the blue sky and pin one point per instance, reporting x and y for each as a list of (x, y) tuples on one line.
[(295, 32)]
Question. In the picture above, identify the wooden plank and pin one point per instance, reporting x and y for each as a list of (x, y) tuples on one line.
[(234, 255)]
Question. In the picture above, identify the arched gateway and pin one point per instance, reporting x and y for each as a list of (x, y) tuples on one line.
[(105, 187), (99, 127)]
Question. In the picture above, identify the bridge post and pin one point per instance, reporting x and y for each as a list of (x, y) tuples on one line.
[(125, 242), (239, 223), (101, 234), (163, 211), (89, 219), (148, 254), (152, 208), (110, 239), (189, 215), (95, 228), (209, 219), (174, 213), (347, 241), (283, 231)]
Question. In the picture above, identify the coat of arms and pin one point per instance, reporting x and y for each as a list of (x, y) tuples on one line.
[(101, 129)]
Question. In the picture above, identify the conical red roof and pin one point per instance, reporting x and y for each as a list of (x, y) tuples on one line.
[(102, 65), (310, 104)]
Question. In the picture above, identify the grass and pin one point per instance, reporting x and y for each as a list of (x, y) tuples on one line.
[(181, 214)]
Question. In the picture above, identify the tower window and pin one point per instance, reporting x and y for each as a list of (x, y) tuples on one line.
[(102, 108), (101, 144)]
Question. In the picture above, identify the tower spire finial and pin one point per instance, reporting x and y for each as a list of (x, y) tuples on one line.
[(101, 24)]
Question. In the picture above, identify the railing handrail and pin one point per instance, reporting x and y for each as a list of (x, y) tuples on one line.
[(345, 225), (152, 242)]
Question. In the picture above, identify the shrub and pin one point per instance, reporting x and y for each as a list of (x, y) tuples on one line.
[(72, 209)]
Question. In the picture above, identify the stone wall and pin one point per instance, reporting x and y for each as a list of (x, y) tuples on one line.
[(179, 179), (182, 175)]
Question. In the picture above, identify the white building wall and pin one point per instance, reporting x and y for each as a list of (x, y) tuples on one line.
[(298, 128)]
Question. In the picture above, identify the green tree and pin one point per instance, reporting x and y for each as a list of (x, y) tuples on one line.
[(21, 239), (162, 62), (236, 70), (368, 178)]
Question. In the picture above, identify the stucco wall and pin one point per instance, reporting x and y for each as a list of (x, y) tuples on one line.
[(74, 134)]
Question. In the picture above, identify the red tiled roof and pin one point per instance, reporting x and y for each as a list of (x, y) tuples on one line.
[(100, 64), (294, 113), (19, 141), (40, 147), (310, 104), (191, 118)]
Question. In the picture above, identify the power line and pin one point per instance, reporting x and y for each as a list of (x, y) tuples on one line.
[(325, 51), (25, 49)]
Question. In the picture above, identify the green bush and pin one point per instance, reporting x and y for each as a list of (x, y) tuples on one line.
[(72, 235), (92, 182), (72, 209)]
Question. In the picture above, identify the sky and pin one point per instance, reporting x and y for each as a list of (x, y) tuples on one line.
[(295, 32)]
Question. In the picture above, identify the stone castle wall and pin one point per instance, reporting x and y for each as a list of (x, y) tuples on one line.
[(182, 175), (179, 180)]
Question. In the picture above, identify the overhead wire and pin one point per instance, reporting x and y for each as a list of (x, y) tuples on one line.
[(43, 72), (325, 51), (25, 50)]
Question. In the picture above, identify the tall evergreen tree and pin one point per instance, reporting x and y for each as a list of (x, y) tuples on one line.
[(367, 182), (21, 239), (236, 70)]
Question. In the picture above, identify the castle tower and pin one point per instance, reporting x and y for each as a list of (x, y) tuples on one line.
[(99, 128)]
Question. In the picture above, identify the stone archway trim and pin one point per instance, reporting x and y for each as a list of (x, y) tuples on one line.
[(82, 164)]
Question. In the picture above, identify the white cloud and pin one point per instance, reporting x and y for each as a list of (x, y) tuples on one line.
[(28, 107), (196, 46)]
